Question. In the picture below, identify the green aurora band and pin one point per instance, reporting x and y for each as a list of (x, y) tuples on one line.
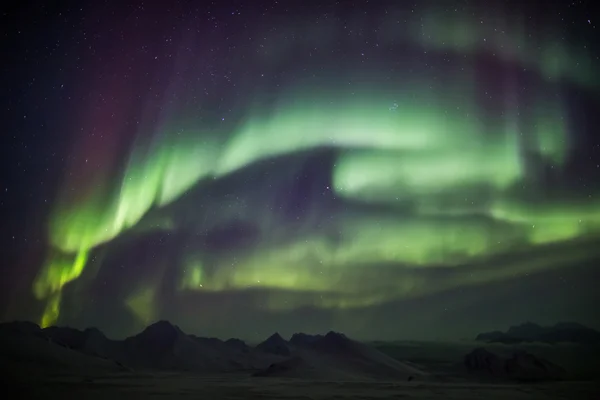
[(417, 146)]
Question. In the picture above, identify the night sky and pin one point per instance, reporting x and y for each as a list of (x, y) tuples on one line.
[(387, 169)]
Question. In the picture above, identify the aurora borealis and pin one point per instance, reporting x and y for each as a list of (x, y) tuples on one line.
[(226, 163)]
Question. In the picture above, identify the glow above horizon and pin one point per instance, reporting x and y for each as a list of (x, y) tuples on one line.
[(441, 176)]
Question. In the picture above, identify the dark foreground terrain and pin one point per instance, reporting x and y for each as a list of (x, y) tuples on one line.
[(239, 386), (164, 362)]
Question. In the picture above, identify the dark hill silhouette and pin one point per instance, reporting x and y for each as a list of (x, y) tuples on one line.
[(20, 328), (303, 339), (164, 346), (334, 342), (161, 346), (335, 356), (482, 361), (526, 367), (76, 339), (26, 347), (91, 341), (161, 333), (275, 344), (360, 358), (531, 332), (527, 330), (522, 366), (237, 344)]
